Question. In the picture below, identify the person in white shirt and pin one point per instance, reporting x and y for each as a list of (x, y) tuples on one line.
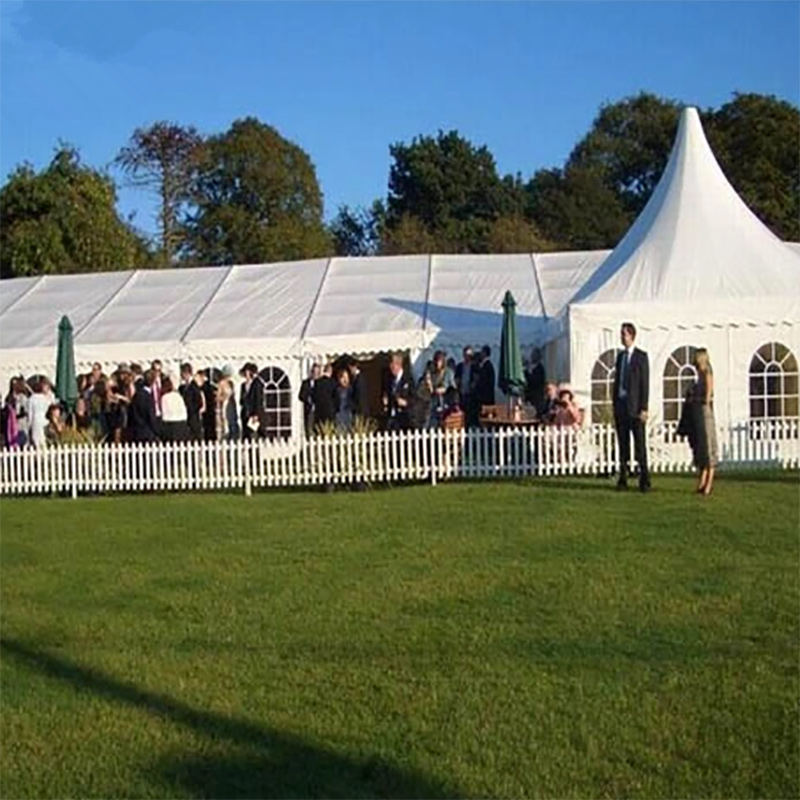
[(41, 400), (174, 417)]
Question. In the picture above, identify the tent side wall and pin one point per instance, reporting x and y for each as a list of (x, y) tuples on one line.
[(731, 348)]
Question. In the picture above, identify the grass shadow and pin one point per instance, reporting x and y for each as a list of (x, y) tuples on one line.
[(271, 763)]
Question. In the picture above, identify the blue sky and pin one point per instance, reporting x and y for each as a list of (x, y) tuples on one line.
[(344, 80)]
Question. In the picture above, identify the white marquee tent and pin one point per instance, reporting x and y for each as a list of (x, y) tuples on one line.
[(696, 268)]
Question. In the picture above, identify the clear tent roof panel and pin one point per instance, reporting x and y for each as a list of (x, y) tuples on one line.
[(269, 301), (13, 290), (155, 306), (363, 295), (466, 295), (33, 320)]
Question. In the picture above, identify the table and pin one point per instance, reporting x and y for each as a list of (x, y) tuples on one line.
[(509, 422)]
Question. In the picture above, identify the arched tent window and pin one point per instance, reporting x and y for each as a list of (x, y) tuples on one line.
[(603, 386), (679, 375), (277, 402), (773, 383)]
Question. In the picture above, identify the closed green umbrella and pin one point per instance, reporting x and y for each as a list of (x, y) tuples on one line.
[(512, 378), (66, 382)]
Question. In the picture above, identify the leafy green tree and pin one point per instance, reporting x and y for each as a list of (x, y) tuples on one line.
[(517, 235), (63, 219), (575, 208), (358, 231), (409, 235), (161, 158), (453, 190), (628, 146), (755, 138), (255, 198)]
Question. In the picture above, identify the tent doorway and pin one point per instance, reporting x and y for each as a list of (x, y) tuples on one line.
[(374, 370)]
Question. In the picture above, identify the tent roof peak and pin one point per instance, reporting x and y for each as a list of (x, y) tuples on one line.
[(695, 238)]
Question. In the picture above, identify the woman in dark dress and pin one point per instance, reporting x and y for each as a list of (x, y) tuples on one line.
[(698, 424)]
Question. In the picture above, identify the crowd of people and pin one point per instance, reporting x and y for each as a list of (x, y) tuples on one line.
[(134, 404), (137, 404), (338, 396)]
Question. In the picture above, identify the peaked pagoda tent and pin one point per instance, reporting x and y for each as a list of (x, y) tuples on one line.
[(697, 268)]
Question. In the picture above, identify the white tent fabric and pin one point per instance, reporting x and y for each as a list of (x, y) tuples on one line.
[(368, 304), (696, 249), (697, 268), (284, 310)]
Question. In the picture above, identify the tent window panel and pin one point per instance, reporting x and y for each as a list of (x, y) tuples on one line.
[(774, 385), (277, 402), (600, 393), (773, 382), (602, 386), (600, 371), (758, 386), (679, 377), (672, 411)]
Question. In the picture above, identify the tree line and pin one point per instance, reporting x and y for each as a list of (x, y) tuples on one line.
[(249, 195)]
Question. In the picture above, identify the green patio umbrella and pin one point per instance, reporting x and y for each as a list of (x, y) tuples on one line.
[(66, 382), (512, 377)]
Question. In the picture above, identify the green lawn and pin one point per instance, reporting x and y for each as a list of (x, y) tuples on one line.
[(550, 639)]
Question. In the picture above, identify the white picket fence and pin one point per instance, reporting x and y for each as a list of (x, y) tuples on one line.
[(375, 458)]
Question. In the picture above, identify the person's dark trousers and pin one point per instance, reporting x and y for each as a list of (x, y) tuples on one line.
[(309, 423), (196, 429), (627, 425)]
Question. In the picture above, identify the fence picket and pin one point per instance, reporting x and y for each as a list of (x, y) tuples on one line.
[(432, 455)]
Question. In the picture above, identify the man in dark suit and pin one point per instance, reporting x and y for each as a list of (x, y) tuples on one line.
[(143, 421), (209, 416), (359, 389), (535, 379), (325, 396), (192, 393), (486, 378), (631, 393), (398, 393), (306, 397), (251, 403), (466, 378)]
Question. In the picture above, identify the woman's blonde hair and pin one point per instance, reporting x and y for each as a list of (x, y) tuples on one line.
[(701, 360)]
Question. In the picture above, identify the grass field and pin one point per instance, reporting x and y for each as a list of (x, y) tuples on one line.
[(551, 639)]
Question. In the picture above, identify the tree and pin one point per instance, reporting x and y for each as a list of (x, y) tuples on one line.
[(63, 219), (358, 231), (755, 138), (516, 235), (452, 188), (409, 235), (160, 158), (575, 208), (628, 146), (255, 198)]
